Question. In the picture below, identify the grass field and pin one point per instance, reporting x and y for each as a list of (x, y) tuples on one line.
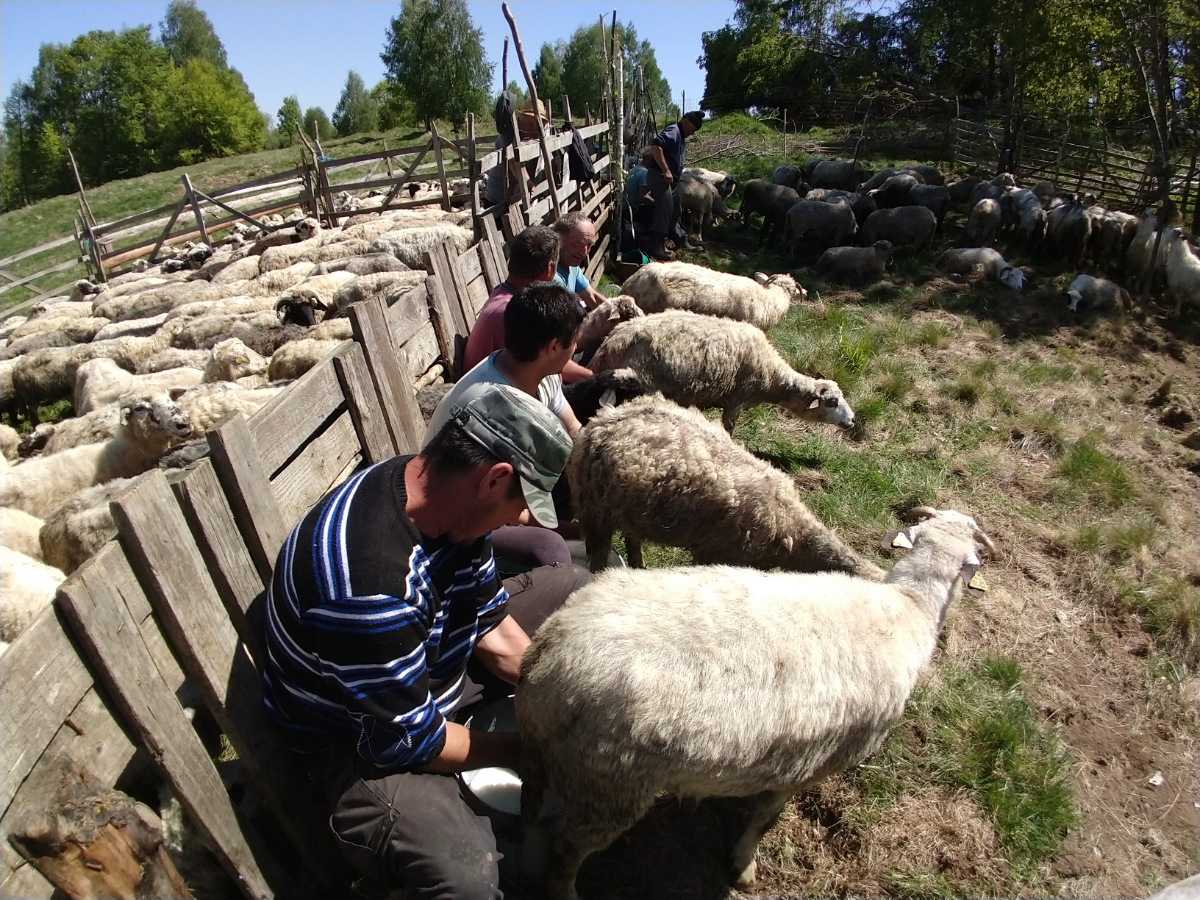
[(1023, 765)]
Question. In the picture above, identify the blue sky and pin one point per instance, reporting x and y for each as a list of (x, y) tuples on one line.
[(306, 47)]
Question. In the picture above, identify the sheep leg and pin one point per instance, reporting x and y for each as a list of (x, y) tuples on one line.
[(729, 416), (745, 869), (599, 546), (592, 824), (633, 549)]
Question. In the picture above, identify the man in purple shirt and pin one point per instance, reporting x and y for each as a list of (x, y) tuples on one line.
[(666, 153)]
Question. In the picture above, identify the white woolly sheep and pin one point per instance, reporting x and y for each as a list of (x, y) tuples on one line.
[(173, 358), (328, 253), (700, 200), (367, 264), (905, 226), (101, 382), (294, 359), (410, 245), (90, 428), (1183, 272), (706, 361), (207, 405), (856, 263), (1141, 246), (658, 472), (78, 528), (11, 324), (370, 287), (722, 181), (983, 223), (599, 323), (830, 224), (800, 677), (305, 229), (317, 291), (147, 429), (78, 328), (981, 261), (276, 258), (332, 330), (28, 587), (761, 300), (239, 270), (152, 302), (19, 531), (232, 359), (131, 328), (47, 340), (207, 331), (230, 306), (1097, 294), (9, 440)]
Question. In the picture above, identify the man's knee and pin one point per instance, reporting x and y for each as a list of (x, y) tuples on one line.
[(535, 594)]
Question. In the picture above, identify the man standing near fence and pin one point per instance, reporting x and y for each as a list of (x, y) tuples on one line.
[(666, 153), (576, 234)]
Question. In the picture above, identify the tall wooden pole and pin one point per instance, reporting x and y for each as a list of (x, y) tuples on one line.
[(79, 183), (504, 67), (546, 161)]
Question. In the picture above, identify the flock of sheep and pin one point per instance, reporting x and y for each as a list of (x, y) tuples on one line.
[(155, 358), (830, 203)]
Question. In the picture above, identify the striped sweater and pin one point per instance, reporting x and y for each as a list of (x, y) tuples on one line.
[(370, 624)]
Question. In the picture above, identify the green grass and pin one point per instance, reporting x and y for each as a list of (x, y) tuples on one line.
[(1103, 479)]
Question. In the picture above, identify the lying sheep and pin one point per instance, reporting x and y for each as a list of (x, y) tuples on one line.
[(75, 531), (1183, 273), (710, 681), (906, 226), (983, 262), (758, 194), (101, 382), (856, 263), (830, 224), (294, 359), (28, 587), (983, 223), (761, 300), (1097, 294), (231, 359), (656, 471), (147, 429), (599, 323), (702, 201), (19, 531), (705, 361)]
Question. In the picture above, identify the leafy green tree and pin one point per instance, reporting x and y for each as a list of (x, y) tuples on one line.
[(314, 117), (395, 109), (518, 93), (289, 117), (434, 54), (357, 111), (208, 114), (187, 34), (548, 71)]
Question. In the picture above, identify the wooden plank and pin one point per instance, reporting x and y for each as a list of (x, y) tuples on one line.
[(493, 236), (344, 161), (422, 351), (106, 229), (597, 200), (452, 345), (173, 571), (492, 273), (596, 265), (263, 181), (438, 262), (477, 294), (229, 563), (408, 312), (240, 471), (92, 599), (167, 231), (191, 196), (386, 362), (469, 265), (28, 278), (34, 251), (41, 680), (459, 280), (382, 182), (289, 420), (318, 467), (374, 437), (441, 166)]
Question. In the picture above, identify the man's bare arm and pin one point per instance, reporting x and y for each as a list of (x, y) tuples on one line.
[(465, 750), (500, 650)]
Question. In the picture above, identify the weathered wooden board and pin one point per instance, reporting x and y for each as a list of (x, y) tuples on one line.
[(317, 468), (440, 262), (388, 366), (240, 471), (373, 435), (287, 423), (408, 312), (477, 294), (493, 274), (494, 238), (423, 351), (468, 264), (171, 567), (451, 342), (93, 599)]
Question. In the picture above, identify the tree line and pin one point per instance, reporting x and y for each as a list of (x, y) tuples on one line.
[(131, 102), (1123, 67)]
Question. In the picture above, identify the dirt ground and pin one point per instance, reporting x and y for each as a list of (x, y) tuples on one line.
[(1124, 704)]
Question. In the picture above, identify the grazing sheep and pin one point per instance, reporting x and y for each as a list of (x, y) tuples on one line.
[(960, 191), (101, 382), (28, 587), (856, 263), (862, 204), (789, 176), (207, 405), (715, 681), (758, 194), (981, 261), (830, 224), (410, 245), (19, 531), (656, 471), (367, 264), (722, 181), (294, 359), (701, 200), (905, 226), (705, 361), (147, 429), (761, 300), (775, 218), (75, 531), (836, 173), (894, 191), (604, 389), (933, 197), (983, 223), (231, 359), (876, 180), (599, 323), (1097, 294), (1183, 272), (9, 440)]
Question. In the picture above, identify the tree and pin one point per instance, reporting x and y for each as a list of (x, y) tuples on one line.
[(289, 116), (395, 109), (434, 55), (314, 116), (519, 97), (357, 110), (548, 71), (187, 34), (208, 114)]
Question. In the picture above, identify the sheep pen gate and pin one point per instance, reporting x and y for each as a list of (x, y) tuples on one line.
[(90, 693)]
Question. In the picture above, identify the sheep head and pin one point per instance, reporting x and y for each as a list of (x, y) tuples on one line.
[(1073, 298), (296, 309), (307, 228), (154, 419), (956, 535), (821, 400), (237, 359), (1011, 277), (786, 283)]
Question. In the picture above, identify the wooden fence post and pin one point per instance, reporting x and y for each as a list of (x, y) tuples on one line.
[(191, 198), (441, 166), (79, 182), (546, 160), (167, 230)]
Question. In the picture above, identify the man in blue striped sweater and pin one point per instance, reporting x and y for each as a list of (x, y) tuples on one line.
[(381, 597)]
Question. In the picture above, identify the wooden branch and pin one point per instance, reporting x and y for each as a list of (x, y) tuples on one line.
[(512, 23)]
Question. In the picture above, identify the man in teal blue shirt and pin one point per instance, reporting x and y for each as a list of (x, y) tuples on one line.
[(576, 233)]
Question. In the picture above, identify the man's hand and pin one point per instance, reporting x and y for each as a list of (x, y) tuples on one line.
[(500, 650), (465, 750)]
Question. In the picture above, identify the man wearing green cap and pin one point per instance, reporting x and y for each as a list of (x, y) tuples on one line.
[(385, 616)]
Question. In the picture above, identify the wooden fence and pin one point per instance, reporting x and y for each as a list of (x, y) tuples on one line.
[(93, 683)]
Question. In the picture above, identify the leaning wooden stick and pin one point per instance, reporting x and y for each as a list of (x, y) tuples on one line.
[(533, 98)]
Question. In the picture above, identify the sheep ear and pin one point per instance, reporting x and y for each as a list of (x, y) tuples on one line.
[(614, 314), (815, 404), (609, 398), (761, 277), (896, 540), (125, 413), (787, 543), (176, 392)]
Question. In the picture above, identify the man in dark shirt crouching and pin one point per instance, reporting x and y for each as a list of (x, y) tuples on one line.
[(662, 177), (382, 596)]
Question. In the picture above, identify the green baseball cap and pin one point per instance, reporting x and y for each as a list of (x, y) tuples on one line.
[(521, 431)]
